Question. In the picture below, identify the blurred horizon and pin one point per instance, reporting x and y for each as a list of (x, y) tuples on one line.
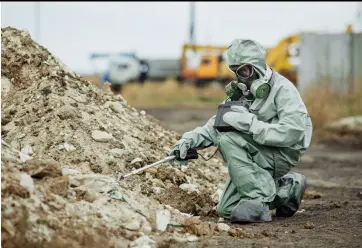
[(71, 31)]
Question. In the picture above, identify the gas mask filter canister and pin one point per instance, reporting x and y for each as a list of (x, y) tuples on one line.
[(247, 77)]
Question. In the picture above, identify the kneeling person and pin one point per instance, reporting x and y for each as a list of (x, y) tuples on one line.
[(268, 135)]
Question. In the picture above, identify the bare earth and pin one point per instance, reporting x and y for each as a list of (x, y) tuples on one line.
[(333, 220)]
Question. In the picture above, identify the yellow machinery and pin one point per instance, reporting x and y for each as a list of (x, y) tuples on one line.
[(283, 58), (212, 65), (278, 57)]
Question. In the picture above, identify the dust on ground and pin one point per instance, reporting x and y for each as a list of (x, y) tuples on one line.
[(61, 190)]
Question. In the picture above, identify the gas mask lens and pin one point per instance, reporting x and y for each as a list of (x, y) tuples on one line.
[(244, 71)]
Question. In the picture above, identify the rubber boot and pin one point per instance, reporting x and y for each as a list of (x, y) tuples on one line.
[(292, 204), (250, 211)]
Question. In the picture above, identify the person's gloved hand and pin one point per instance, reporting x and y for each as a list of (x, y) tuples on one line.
[(182, 146), (239, 118)]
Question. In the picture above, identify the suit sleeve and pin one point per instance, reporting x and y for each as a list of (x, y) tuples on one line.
[(202, 137), (292, 115)]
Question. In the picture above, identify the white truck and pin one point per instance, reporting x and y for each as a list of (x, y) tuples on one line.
[(123, 68)]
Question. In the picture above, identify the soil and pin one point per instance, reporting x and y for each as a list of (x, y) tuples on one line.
[(74, 139)]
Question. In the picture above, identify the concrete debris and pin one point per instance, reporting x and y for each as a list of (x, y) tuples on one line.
[(192, 238), (27, 182), (98, 183), (133, 225), (116, 107), (136, 160), (24, 157), (217, 195), (68, 171), (189, 187), (69, 147), (222, 227), (163, 217), (117, 153), (185, 238), (101, 136), (28, 150)]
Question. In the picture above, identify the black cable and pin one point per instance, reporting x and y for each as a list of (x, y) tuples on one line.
[(209, 157)]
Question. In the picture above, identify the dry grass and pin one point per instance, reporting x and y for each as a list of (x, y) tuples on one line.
[(170, 94), (325, 105)]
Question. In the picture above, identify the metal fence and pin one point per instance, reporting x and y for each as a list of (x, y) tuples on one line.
[(333, 59)]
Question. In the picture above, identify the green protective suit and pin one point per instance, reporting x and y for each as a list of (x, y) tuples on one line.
[(269, 141)]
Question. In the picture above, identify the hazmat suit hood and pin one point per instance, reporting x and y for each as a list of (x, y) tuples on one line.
[(248, 51)]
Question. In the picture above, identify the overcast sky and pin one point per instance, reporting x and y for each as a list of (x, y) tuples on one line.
[(157, 30)]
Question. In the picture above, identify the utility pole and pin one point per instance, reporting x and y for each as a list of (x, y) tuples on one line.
[(37, 21), (192, 23), (359, 17)]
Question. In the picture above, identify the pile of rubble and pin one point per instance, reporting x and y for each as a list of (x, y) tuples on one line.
[(64, 141)]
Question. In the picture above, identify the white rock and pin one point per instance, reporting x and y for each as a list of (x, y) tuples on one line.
[(117, 153), (179, 239), (146, 227), (220, 219), (101, 136), (192, 238), (184, 168), (133, 225), (27, 150), (189, 187), (217, 195), (143, 112), (69, 147), (98, 183), (148, 176), (67, 171), (142, 242), (224, 169), (27, 182), (121, 243), (163, 217), (136, 160), (116, 107), (157, 190), (223, 227), (5, 84), (24, 157)]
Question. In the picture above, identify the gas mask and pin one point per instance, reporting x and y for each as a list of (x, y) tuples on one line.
[(248, 81)]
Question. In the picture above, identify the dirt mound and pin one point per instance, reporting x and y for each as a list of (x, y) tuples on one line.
[(79, 137)]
